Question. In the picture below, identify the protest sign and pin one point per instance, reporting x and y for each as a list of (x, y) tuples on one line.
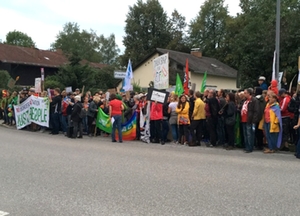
[(37, 85), (69, 89), (33, 110), (161, 72), (157, 95)]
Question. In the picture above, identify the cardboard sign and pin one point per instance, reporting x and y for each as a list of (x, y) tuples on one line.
[(69, 89), (11, 83), (37, 85), (161, 72), (157, 95)]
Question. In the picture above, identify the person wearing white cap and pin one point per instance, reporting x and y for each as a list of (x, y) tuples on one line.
[(262, 84), (75, 117)]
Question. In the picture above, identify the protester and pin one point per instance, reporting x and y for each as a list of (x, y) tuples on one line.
[(173, 121), (165, 122), (221, 123), (115, 112), (273, 123), (55, 111), (230, 116), (284, 100), (249, 117), (212, 109), (92, 114), (259, 135), (262, 84), (182, 110), (76, 118), (198, 119), (156, 117)]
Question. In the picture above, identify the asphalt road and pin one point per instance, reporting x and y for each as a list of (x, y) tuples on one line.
[(43, 175)]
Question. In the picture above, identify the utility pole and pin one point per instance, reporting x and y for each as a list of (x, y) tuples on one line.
[(277, 45)]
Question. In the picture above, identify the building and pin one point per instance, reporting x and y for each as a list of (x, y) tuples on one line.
[(26, 63), (219, 75)]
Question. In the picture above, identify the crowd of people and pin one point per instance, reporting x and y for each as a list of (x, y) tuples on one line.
[(262, 118)]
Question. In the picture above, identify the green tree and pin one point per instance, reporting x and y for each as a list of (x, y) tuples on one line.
[(147, 27), (178, 26), (207, 30), (4, 78), (86, 44), (251, 39), (19, 39), (108, 49)]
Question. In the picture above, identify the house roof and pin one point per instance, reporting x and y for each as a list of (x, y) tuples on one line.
[(35, 57), (200, 65), (196, 64)]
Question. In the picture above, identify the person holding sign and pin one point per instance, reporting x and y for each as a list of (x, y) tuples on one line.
[(115, 114)]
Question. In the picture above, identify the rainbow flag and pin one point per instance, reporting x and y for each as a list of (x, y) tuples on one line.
[(128, 129)]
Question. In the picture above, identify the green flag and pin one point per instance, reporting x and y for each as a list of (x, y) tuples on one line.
[(179, 87), (203, 85), (103, 122)]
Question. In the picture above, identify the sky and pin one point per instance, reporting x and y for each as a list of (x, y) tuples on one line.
[(42, 20)]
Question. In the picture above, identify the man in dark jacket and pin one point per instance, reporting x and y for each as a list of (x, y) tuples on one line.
[(55, 111), (249, 117), (259, 135), (191, 102), (75, 117), (212, 112)]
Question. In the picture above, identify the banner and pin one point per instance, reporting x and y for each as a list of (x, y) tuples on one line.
[(161, 72), (33, 110), (128, 129)]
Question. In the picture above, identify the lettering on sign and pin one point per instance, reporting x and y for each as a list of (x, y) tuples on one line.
[(161, 72)]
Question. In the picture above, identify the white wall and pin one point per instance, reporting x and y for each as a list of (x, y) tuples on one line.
[(219, 82)]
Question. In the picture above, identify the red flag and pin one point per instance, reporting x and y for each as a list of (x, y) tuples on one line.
[(186, 78)]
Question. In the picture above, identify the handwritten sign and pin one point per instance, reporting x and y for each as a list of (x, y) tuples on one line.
[(161, 72), (157, 95)]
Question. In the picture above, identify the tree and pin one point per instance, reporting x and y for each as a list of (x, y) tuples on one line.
[(77, 75), (147, 28), (86, 44), (207, 30), (251, 39), (179, 40), (71, 40), (19, 39), (4, 78), (108, 49)]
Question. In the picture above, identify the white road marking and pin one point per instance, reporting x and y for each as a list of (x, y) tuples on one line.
[(2, 213)]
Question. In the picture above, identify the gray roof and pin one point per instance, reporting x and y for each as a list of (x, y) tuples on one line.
[(200, 65)]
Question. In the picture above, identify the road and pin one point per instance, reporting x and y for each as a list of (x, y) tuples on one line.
[(43, 175)]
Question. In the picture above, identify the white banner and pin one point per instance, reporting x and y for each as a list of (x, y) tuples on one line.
[(161, 72), (34, 109)]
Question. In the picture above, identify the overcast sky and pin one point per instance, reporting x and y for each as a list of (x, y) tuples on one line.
[(42, 19)]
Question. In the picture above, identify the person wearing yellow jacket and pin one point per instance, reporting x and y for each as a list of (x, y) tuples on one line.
[(198, 119), (272, 123), (182, 110)]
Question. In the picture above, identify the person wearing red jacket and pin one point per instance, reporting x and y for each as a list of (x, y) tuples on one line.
[(156, 117), (284, 100)]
